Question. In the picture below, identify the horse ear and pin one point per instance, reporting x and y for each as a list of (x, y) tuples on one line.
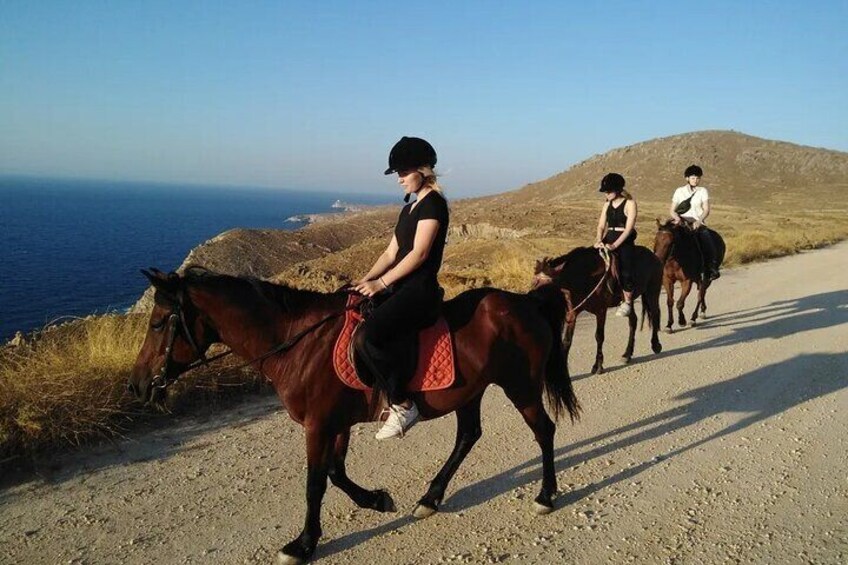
[(167, 284), (659, 224)]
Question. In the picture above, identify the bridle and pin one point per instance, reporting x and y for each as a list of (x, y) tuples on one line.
[(160, 379), (177, 323)]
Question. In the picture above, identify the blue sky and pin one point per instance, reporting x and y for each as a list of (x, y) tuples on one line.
[(311, 95)]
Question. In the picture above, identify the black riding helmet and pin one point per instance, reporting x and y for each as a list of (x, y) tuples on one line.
[(693, 170), (411, 153), (613, 182)]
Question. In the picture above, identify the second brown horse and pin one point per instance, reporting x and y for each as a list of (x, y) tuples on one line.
[(587, 284)]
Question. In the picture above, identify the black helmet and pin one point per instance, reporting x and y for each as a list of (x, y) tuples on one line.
[(693, 170), (411, 153), (613, 182)]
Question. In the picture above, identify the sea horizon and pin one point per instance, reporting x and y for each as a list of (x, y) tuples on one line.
[(74, 247)]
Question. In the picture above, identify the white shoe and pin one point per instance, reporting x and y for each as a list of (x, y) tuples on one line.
[(400, 419), (623, 310)]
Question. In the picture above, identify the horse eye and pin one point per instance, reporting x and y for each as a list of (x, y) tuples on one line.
[(157, 326)]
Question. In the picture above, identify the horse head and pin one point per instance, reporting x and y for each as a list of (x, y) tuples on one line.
[(664, 239), (177, 337), (546, 271)]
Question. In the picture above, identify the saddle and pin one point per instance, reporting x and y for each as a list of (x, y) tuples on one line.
[(434, 369)]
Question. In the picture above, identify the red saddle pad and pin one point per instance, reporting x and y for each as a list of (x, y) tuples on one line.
[(435, 370)]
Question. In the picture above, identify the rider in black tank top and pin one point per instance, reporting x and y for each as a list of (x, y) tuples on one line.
[(616, 232)]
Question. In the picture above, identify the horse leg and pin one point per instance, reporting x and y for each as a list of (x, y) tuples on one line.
[(568, 337), (685, 288), (600, 322), (378, 500), (654, 313), (669, 302), (701, 306), (318, 455), (468, 431), (631, 339), (693, 319), (543, 428)]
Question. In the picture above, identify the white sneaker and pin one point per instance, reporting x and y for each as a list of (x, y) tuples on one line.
[(400, 419), (623, 310)]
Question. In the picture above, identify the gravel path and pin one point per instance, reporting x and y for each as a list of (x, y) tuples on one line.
[(730, 446)]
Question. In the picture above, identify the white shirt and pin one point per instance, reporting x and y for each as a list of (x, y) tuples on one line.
[(699, 197)]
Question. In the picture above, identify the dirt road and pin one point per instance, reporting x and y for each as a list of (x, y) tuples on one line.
[(730, 446)]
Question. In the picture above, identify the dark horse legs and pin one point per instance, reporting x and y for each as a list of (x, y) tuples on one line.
[(543, 428), (327, 460), (318, 458), (632, 320), (600, 323), (468, 431), (378, 500)]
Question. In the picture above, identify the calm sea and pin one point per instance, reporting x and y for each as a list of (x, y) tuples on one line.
[(72, 248)]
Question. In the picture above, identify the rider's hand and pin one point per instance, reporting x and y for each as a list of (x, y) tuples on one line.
[(610, 247), (370, 288), (696, 224), (598, 244), (675, 220)]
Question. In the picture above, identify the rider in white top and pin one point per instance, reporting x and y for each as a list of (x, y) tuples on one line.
[(695, 216), (699, 205)]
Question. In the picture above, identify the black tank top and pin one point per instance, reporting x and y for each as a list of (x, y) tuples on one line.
[(616, 218)]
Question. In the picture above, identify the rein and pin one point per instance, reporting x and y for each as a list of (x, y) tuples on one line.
[(604, 253), (160, 381)]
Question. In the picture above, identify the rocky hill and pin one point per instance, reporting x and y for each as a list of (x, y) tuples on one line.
[(739, 169), (762, 191)]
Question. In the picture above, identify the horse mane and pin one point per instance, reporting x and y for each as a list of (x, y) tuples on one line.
[(577, 256), (283, 296)]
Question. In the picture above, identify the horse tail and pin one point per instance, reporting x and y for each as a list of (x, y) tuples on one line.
[(558, 389)]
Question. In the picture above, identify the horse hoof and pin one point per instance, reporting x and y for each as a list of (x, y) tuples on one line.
[(669, 330), (285, 559), (626, 358), (540, 509), (422, 511), (385, 503), (692, 324), (657, 348)]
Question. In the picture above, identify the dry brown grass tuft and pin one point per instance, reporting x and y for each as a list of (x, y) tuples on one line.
[(68, 383)]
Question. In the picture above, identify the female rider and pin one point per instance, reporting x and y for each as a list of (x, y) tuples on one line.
[(616, 232), (691, 204), (407, 272)]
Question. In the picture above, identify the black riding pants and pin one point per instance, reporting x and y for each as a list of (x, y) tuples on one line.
[(387, 337), (626, 257), (705, 239)]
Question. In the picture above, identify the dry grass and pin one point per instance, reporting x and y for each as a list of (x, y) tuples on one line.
[(68, 384)]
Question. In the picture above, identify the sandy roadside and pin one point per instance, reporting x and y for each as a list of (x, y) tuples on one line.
[(730, 446)]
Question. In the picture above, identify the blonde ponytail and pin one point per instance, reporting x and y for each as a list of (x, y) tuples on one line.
[(430, 180)]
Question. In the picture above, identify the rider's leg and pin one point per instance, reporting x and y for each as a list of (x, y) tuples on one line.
[(387, 334), (710, 254), (625, 260)]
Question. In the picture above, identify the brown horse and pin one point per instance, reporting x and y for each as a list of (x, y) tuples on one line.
[(676, 247), (584, 278), (499, 338)]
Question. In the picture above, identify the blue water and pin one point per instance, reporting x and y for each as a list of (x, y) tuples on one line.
[(72, 248)]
